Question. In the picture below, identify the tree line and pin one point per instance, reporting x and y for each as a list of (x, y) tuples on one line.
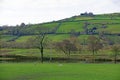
[(67, 46)]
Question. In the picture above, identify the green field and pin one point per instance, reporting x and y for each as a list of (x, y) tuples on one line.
[(6, 37), (24, 38), (59, 71), (60, 37), (68, 26), (112, 28)]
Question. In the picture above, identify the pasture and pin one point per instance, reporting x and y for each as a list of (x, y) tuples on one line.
[(59, 71)]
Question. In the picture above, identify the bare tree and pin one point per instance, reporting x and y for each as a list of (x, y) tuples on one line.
[(40, 44), (30, 42), (74, 40), (41, 41), (116, 50), (66, 46), (94, 45)]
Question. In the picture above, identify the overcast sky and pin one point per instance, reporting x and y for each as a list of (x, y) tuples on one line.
[(14, 12)]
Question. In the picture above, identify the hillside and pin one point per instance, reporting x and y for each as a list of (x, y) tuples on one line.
[(81, 26)]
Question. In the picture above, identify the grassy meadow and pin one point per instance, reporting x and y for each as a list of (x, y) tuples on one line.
[(59, 71)]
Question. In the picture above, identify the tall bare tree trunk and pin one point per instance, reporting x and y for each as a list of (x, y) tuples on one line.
[(41, 45), (93, 56), (41, 54), (115, 58)]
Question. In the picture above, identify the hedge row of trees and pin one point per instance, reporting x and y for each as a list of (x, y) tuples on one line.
[(67, 46)]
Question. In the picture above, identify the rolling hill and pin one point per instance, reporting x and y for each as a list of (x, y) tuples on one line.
[(81, 25)]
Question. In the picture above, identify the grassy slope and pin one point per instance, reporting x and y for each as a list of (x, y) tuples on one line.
[(56, 71), (68, 26), (52, 37), (6, 37), (24, 38), (76, 26), (113, 28), (58, 38)]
